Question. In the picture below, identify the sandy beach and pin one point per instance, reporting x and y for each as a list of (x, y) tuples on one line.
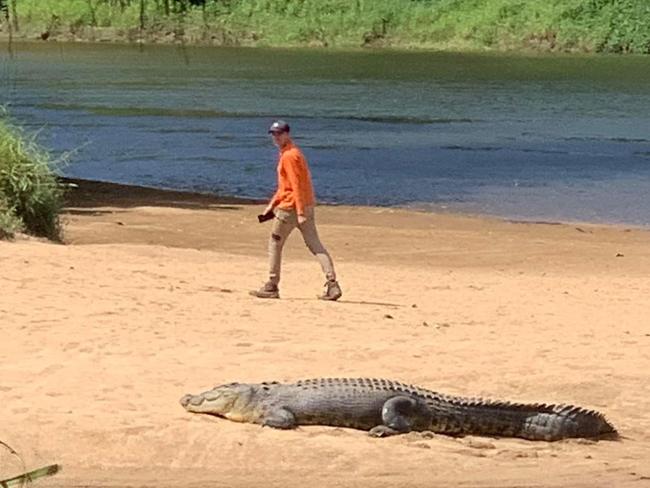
[(148, 300)]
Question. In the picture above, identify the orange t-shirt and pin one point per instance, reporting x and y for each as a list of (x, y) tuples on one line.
[(295, 189)]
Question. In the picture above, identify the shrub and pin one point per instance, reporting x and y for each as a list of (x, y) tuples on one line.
[(30, 195)]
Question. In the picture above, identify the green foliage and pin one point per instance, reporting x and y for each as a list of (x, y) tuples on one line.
[(9, 221), (624, 25), (30, 196), (587, 25)]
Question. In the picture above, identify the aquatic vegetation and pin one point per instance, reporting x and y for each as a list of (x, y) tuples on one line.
[(30, 195)]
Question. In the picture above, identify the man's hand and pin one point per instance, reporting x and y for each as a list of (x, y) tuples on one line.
[(301, 219), (269, 208)]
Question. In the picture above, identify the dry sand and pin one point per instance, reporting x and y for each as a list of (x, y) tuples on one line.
[(148, 300)]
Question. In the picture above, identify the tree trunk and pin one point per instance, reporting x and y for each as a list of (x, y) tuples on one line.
[(93, 17), (14, 14), (142, 5)]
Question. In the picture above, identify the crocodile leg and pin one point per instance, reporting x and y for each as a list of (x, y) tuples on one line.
[(400, 415), (279, 418)]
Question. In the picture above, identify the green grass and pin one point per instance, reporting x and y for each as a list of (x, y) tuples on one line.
[(30, 196), (550, 25)]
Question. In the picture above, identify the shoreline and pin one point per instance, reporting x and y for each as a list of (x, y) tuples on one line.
[(85, 192), (91, 190), (157, 39), (112, 213), (450, 48)]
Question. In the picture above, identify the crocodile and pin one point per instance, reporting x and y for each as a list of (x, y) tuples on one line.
[(384, 407)]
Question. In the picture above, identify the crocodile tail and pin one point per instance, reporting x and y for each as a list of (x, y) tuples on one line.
[(556, 422), (529, 421)]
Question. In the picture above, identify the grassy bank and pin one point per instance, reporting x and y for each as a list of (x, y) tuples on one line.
[(30, 196), (552, 25)]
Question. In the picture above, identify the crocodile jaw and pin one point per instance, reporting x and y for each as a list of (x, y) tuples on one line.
[(193, 403), (231, 401), (212, 402)]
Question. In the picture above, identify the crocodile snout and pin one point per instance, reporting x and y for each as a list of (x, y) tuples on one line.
[(185, 399), (189, 401)]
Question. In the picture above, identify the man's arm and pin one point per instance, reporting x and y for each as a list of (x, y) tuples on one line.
[(274, 201), (272, 204)]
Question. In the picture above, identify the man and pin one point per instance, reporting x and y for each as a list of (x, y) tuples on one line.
[(293, 204)]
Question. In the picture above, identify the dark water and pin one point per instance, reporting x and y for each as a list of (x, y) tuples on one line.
[(535, 138)]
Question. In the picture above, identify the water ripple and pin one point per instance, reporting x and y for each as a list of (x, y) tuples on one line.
[(208, 113)]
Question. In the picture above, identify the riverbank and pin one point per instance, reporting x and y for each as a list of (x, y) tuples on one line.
[(148, 300), (619, 26)]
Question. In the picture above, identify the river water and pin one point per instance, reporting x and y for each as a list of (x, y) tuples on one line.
[(542, 138)]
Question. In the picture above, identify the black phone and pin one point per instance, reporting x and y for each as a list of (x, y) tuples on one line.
[(264, 217)]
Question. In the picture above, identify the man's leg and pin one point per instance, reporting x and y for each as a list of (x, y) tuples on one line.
[(313, 242), (283, 224)]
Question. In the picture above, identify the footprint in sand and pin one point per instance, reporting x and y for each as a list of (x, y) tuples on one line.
[(137, 430), (332, 432), (421, 445), (51, 369), (510, 454), (478, 444)]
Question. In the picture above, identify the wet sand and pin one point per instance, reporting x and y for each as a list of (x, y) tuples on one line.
[(148, 300)]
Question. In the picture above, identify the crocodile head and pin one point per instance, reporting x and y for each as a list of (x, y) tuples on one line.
[(231, 401)]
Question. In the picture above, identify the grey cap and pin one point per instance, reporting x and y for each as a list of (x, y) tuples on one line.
[(279, 126)]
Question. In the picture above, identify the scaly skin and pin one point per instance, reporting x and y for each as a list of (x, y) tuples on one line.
[(386, 407)]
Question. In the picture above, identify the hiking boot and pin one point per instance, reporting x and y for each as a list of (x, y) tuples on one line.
[(332, 291), (269, 290)]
